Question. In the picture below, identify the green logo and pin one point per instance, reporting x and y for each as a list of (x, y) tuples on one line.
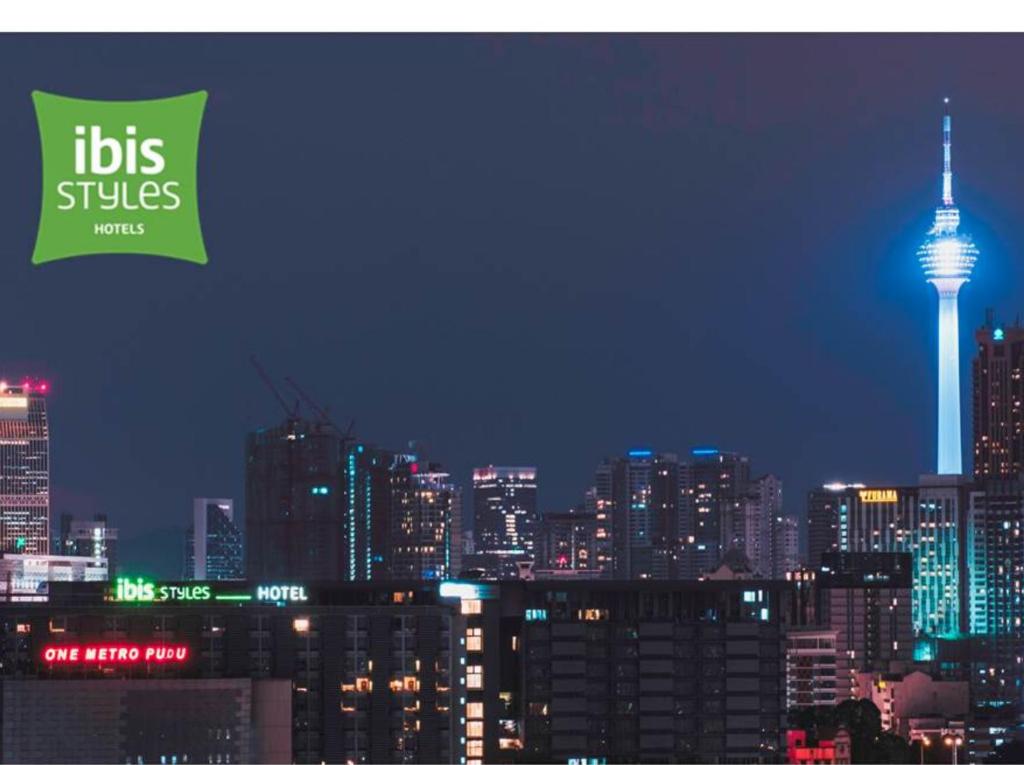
[(119, 177)]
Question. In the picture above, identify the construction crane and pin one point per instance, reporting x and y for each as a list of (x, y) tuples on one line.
[(345, 435), (291, 411)]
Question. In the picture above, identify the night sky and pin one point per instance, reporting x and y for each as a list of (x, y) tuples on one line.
[(518, 250)]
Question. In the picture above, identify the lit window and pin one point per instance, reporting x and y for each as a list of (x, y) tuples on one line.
[(472, 607), (475, 748), (475, 677), (475, 728), (474, 639), (475, 710)]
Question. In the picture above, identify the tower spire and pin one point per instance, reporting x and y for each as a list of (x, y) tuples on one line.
[(947, 164)]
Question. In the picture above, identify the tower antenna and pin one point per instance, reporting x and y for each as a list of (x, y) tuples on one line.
[(947, 162)]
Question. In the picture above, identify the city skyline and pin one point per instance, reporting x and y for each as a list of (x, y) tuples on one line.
[(859, 188)]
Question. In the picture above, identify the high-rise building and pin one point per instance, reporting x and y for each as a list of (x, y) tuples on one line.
[(753, 525), (426, 513), (649, 671), (367, 511), (294, 503), (785, 545), (504, 516), (926, 521), (998, 395), (947, 258), (567, 540), (823, 519), (642, 490), (713, 484), (597, 502), (995, 558), (213, 542), (24, 469), (866, 598), (88, 538)]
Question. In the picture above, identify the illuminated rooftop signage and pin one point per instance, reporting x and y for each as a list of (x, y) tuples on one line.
[(116, 653), (277, 593), (466, 590), (869, 496), (142, 590)]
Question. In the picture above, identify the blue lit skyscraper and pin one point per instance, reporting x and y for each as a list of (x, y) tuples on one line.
[(947, 258), (213, 542)]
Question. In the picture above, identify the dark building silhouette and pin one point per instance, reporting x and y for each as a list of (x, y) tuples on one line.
[(713, 485), (642, 491), (567, 541), (866, 601), (93, 538), (294, 503), (823, 519)]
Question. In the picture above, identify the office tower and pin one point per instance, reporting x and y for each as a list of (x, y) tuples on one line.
[(998, 372), (866, 597), (24, 469), (823, 519), (712, 484), (642, 490), (567, 541), (810, 668), (367, 511), (213, 542), (947, 258), (505, 516), (926, 520), (785, 545), (294, 508), (88, 538), (426, 513)]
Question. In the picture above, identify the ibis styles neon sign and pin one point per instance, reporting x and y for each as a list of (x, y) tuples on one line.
[(141, 590), (116, 653)]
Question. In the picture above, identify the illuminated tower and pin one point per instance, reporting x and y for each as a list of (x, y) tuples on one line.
[(947, 258), (505, 512), (24, 469)]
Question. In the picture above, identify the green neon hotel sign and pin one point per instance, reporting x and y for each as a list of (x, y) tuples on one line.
[(142, 590)]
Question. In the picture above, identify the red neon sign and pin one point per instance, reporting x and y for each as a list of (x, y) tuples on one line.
[(116, 653)]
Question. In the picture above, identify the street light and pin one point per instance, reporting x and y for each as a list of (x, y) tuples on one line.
[(954, 742), (923, 742)]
